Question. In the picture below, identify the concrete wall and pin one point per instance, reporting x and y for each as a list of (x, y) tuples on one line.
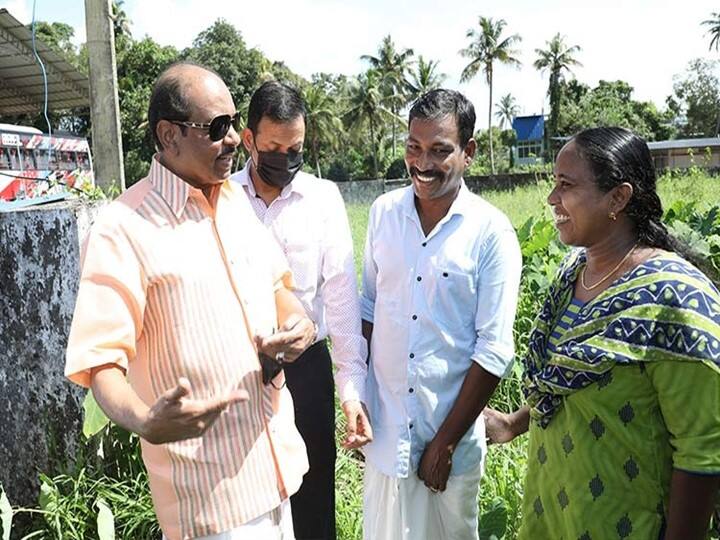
[(40, 412), (366, 191), (361, 191)]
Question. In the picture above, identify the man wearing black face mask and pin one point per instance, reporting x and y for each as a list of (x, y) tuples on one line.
[(307, 217)]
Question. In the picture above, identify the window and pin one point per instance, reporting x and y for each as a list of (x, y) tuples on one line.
[(29, 160), (83, 161), (41, 158), (661, 162), (4, 159), (67, 162), (529, 149), (14, 161)]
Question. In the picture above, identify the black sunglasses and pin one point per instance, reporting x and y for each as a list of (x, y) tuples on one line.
[(218, 126)]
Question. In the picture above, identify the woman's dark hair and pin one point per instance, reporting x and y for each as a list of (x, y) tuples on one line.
[(615, 156)]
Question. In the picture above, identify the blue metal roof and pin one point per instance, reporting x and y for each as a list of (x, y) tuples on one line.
[(529, 128)]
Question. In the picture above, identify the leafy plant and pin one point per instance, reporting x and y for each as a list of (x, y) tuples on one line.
[(492, 524), (6, 515)]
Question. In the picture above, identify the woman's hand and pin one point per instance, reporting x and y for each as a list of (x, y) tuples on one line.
[(502, 428)]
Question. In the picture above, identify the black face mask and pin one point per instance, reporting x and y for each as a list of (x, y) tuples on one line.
[(278, 169)]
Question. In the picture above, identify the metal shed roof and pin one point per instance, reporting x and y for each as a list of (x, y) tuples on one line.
[(21, 80), (681, 144), (529, 128)]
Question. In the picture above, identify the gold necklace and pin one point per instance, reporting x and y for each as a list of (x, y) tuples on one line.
[(610, 273)]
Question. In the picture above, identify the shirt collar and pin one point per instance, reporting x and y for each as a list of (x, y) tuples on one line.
[(174, 190), (459, 206), (243, 178)]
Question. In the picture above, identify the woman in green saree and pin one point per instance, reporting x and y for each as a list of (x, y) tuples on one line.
[(622, 378)]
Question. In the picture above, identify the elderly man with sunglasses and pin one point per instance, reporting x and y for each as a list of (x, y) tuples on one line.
[(181, 291), (308, 219)]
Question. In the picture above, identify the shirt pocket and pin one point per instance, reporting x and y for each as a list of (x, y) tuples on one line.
[(452, 297), (301, 247)]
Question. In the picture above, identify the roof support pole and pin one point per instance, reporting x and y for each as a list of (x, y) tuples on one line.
[(104, 105)]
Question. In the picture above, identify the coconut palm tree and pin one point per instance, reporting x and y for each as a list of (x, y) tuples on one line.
[(121, 22), (322, 122), (366, 109), (423, 78), (557, 58), (507, 110), (714, 30), (392, 65), (487, 46)]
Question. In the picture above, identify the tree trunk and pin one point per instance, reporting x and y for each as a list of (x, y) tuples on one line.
[(554, 92), (317, 157), (490, 135), (394, 127), (374, 151)]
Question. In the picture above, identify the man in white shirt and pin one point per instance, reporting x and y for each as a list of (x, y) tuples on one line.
[(307, 217), (440, 285)]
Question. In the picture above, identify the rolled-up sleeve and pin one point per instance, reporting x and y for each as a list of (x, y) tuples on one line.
[(499, 281), (340, 296), (108, 317), (689, 398), (369, 274)]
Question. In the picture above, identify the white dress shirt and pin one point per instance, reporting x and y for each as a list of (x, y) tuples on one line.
[(437, 303), (309, 221)]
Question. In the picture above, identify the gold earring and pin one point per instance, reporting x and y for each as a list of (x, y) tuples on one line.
[(612, 216)]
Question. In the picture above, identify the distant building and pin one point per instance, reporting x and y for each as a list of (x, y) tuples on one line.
[(530, 146), (685, 153)]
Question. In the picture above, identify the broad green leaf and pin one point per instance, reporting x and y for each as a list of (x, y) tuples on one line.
[(493, 522), (6, 515), (105, 521), (95, 420), (48, 495)]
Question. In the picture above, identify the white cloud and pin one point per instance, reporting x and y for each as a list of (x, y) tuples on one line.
[(20, 9)]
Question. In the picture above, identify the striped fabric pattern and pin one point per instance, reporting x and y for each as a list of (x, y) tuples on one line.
[(169, 289)]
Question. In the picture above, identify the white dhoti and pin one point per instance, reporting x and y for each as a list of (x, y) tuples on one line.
[(405, 509), (274, 525)]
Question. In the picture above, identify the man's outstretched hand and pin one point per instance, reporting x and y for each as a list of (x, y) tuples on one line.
[(176, 416)]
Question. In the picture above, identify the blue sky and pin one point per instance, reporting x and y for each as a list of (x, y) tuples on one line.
[(644, 42)]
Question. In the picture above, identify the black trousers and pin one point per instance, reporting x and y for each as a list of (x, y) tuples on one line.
[(310, 382)]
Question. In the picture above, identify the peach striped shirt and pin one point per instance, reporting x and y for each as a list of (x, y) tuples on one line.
[(171, 289)]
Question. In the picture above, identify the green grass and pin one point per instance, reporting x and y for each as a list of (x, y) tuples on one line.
[(521, 203)]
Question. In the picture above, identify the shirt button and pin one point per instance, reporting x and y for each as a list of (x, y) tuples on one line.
[(424, 244), (419, 278), (414, 317), (445, 274), (411, 390), (412, 355), (410, 426)]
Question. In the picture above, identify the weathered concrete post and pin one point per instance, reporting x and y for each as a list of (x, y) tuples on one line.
[(104, 106), (40, 411)]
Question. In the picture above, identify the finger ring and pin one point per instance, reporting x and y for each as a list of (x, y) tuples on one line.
[(280, 357), (434, 489)]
